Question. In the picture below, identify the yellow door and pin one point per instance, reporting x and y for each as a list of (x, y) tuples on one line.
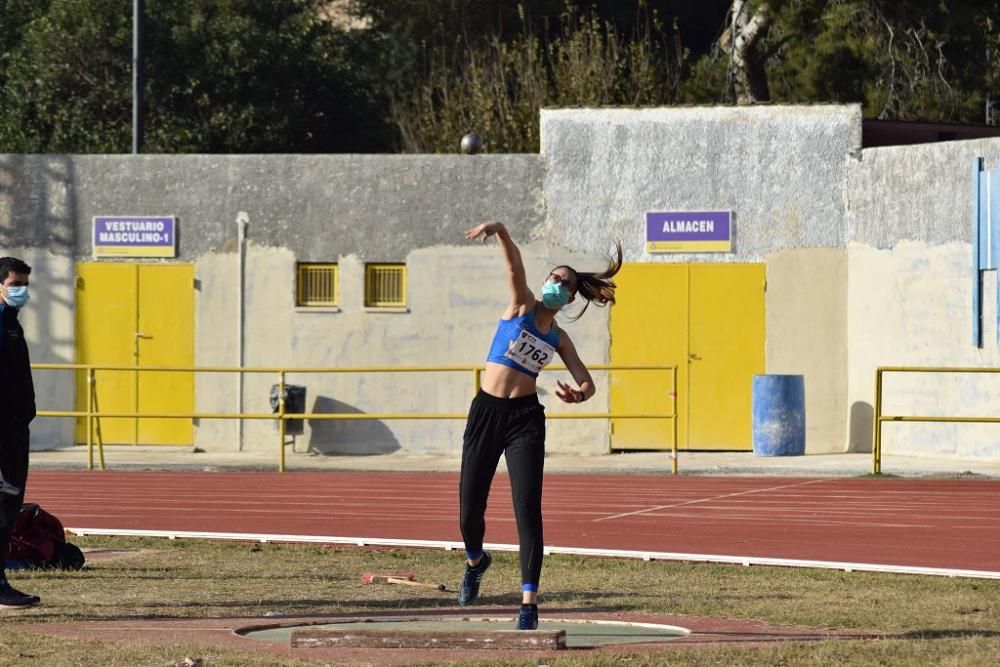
[(726, 350), (106, 307), (165, 337), (708, 320), (648, 327), (137, 315)]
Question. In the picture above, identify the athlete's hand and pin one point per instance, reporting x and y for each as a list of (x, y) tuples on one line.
[(567, 394), (485, 230)]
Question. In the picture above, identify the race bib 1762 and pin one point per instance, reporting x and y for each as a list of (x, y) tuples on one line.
[(530, 352)]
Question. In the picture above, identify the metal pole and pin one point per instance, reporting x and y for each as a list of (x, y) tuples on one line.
[(877, 426), (138, 78), (241, 221), (90, 419), (281, 420)]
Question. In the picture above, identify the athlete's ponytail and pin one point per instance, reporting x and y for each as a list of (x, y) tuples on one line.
[(598, 288)]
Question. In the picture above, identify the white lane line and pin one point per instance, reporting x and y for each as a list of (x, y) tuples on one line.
[(746, 561), (707, 500)]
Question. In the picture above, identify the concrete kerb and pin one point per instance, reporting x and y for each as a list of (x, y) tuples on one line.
[(226, 633), (655, 463)]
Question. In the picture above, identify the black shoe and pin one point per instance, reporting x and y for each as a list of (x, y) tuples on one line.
[(469, 590), (528, 618), (11, 598)]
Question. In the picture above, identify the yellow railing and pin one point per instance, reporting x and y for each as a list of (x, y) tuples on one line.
[(879, 417), (92, 415)]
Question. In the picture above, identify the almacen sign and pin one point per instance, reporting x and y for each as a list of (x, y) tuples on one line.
[(689, 231)]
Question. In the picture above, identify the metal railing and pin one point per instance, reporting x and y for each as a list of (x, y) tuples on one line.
[(92, 415), (879, 417)]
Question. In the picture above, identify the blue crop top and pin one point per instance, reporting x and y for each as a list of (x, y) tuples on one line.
[(519, 344)]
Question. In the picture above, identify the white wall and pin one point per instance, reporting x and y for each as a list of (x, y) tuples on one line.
[(910, 300), (807, 333), (781, 170), (868, 259), (49, 327), (456, 295)]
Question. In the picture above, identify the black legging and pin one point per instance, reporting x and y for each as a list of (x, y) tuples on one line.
[(14, 465), (514, 427)]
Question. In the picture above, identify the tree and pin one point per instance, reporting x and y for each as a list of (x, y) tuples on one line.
[(17, 14), (498, 89), (223, 76), (987, 24), (411, 29), (475, 21), (902, 59), (254, 76), (743, 41)]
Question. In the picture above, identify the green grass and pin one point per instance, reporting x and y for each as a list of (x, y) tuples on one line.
[(937, 620)]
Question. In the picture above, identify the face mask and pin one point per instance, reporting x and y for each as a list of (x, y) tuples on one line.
[(17, 296), (554, 295)]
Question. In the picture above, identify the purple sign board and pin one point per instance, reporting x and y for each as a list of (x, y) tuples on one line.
[(135, 236), (689, 231)]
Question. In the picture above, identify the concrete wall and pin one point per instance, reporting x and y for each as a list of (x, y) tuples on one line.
[(37, 204), (781, 170), (608, 167), (868, 261), (806, 334), (456, 296), (315, 205), (345, 209), (909, 298), (48, 322)]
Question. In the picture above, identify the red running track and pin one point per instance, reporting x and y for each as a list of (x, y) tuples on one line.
[(926, 523)]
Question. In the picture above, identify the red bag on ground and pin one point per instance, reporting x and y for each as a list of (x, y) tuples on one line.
[(39, 539)]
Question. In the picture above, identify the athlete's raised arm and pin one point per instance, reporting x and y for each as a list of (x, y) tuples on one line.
[(520, 295)]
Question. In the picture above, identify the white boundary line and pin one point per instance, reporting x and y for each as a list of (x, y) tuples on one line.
[(707, 500), (745, 561)]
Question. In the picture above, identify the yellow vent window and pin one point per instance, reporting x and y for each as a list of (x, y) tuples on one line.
[(385, 285), (316, 285)]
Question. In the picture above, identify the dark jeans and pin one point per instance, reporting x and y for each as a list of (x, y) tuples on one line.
[(14, 466), (515, 428)]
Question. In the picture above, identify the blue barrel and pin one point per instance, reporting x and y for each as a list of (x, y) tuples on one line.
[(779, 415)]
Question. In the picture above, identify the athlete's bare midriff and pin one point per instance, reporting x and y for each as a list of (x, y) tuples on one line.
[(505, 382)]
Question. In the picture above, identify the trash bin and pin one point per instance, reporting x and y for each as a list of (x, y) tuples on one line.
[(295, 403), (779, 415)]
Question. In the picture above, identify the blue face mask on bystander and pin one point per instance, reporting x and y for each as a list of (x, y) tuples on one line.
[(17, 296)]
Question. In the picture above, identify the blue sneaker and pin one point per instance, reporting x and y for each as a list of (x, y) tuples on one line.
[(528, 618), (469, 590)]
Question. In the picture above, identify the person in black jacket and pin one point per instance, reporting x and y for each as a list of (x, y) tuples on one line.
[(17, 409)]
